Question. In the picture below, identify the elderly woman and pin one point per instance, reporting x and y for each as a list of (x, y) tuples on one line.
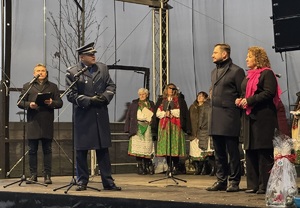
[(174, 121), (137, 125), (260, 96)]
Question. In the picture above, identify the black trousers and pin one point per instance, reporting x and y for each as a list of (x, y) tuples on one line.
[(227, 168), (33, 145), (104, 165), (259, 163)]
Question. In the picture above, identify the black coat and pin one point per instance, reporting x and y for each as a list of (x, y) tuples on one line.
[(199, 122), (40, 120), (225, 117), (131, 123), (259, 126), (91, 123)]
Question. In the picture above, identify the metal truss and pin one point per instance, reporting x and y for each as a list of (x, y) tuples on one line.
[(160, 44)]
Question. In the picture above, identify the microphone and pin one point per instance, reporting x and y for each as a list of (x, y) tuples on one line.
[(81, 71), (34, 79), (278, 75)]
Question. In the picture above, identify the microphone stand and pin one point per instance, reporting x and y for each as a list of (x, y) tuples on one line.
[(23, 177), (73, 180), (170, 165)]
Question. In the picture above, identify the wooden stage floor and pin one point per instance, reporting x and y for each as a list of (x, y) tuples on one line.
[(137, 187)]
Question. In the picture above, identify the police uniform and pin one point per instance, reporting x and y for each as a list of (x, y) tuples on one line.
[(90, 96)]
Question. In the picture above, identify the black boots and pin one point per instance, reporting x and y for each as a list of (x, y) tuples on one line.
[(198, 167), (145, 166), (140, 168), (206, 167), (149, 166)]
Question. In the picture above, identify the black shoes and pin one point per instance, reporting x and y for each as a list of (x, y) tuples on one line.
[(251, 191), (113, 188), (233, 188), (32, 179), (81, 188), (217, 186), (255, 191), (261, 191), (47, 179)]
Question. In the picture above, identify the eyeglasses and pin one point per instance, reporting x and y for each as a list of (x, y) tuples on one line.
[(172, 88)]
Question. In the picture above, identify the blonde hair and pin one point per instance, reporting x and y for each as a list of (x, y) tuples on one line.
[(175, 92)]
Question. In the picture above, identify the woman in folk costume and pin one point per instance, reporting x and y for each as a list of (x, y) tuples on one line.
[(174, 121), (137, 125), (260, 97)]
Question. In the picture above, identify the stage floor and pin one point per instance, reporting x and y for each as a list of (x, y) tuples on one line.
[(138, 187)]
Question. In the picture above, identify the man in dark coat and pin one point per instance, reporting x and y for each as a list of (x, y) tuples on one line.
[(90, 96), (40, 117), (225, 119)]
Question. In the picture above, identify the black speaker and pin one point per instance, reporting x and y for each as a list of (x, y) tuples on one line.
[(286, 34), (285, 8), (286, 22)]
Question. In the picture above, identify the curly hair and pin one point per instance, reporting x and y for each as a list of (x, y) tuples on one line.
[(261, 57)]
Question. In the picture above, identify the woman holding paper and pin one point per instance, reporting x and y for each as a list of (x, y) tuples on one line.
[(137, 125)]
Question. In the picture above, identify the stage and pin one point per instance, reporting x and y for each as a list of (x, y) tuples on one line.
[(136, 192)]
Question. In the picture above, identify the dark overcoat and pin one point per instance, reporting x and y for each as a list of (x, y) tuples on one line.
[(225, 117), (259, 126), (199, 122), (91, 123), (40, 120), (131, 122)]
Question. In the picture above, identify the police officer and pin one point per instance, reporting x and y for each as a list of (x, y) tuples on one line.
[(90, 96)]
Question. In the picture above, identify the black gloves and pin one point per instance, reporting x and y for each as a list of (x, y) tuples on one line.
[(99, 100)]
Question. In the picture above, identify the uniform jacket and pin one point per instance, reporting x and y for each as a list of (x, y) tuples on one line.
[(91, 123), (131, 122), (40, 120), (225, 117), (263, 115)]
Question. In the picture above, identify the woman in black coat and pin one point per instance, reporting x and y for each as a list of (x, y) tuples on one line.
[(260, 95), (137, 125)]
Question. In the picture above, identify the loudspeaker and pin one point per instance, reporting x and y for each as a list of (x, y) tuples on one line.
[(286, 34), (285, 8), (286, 21)]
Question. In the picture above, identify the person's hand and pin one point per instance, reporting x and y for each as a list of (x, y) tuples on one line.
[(238, 101), (33, 105), (243, 103), (99, 100), (168, 113), (48, 102)]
